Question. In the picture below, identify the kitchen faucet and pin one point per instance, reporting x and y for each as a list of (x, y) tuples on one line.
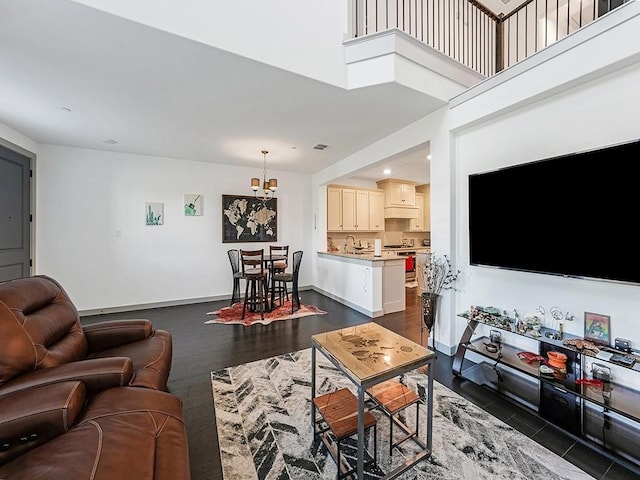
[(346, 243)]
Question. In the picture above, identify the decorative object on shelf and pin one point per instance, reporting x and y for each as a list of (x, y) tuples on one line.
[(581, 344), (530, 357), (491, 347), (532, 326), (596, 328), (557, 360), (268, 187), (545, 370), (248, 219), (623, 345)]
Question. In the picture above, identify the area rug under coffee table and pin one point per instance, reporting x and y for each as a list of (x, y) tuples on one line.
[(263, 418)]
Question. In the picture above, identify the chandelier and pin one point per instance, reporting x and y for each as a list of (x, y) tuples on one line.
[(268, 187)]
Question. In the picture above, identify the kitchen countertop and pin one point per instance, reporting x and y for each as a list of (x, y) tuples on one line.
[(360, 256), (368, 254)]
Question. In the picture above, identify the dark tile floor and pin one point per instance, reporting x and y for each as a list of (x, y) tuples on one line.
[(200, 349)]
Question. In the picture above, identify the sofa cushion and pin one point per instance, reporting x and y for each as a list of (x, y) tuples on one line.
[(151, 359), (125, 433), (32, 417), (39, 327)]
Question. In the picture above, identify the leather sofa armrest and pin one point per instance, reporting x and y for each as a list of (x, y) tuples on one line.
[(114, 333), (29, 418), (96, 374)]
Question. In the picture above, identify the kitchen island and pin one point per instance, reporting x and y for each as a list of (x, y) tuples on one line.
[(371, 285)]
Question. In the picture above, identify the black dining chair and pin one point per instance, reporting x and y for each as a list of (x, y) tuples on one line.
[(255, 273), (282, 279), (234, 260)]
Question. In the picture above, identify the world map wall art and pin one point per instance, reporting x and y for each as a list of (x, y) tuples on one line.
[(249, 219)]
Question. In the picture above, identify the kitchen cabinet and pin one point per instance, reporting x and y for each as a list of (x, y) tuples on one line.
[(398, 193), (354, 210), (417, 224), (399, 198), (376, 211), (425, 190), (334, 209)]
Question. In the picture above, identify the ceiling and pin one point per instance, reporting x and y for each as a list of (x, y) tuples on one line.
[(75, 76)]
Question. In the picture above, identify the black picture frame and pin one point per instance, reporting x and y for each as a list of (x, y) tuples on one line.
[(249, 219)]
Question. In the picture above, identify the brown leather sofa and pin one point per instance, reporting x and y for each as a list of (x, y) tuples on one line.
[(83, 402)]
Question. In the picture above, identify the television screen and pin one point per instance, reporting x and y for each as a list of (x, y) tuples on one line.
[(574, 215)]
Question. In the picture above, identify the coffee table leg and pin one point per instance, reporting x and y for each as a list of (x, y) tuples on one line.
[(313, 387)]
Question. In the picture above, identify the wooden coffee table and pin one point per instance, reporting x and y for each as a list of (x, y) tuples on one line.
[(369, 354)]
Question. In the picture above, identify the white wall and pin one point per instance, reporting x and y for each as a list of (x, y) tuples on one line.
[(92, 237), (302, 36), (597, 114), (599, 108)]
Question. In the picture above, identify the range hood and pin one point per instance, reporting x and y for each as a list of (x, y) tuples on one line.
[(401, 212)]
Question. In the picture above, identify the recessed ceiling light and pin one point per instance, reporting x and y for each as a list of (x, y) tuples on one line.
[(66, 109), (386, 171), (319, 146), (109, 141)]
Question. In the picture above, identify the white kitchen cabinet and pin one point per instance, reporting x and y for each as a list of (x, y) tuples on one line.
[(398, 193), (362, 210), (349, 222), (354, 210), (417, 224), (425, 190), (334, 209), (376, 211), (399, 198)]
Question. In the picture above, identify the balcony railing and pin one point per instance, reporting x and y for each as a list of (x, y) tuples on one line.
[(468, 32)]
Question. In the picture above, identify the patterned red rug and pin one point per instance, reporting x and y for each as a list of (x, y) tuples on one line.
[(233, 315)]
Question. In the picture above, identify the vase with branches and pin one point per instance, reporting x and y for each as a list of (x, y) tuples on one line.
[(438, 275)]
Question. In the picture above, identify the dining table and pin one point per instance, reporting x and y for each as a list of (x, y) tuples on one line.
[(369, 354)]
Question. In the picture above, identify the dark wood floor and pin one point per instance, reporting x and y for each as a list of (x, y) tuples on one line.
[(199, 349)]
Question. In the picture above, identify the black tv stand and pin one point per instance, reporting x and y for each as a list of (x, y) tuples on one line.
[(594, 399)]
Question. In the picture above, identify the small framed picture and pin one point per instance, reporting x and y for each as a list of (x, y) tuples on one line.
[(596, 328), (192, 204), (154, 213)]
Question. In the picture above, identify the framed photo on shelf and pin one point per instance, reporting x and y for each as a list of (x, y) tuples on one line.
[(597, 328)]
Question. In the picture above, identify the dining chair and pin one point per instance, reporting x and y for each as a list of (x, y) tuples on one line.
[(278, 266), (282, 279), (283, 250), (254, 272), (234, 260)]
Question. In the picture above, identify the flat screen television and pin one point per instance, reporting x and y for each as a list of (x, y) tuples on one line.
[(573, 215)]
